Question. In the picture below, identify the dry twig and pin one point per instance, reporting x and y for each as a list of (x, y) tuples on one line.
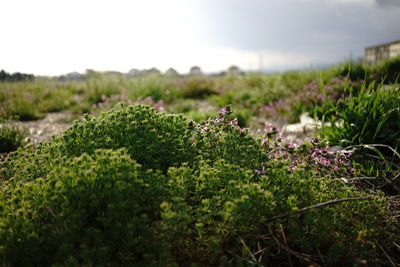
[(319, 205), (384, 252)]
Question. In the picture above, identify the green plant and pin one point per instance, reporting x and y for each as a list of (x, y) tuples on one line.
[(370, 117), (32, 100), (11, 137), (137, 187), (156, 141), (96, 88), (353, 70), (387, 71), (222, 138), (93, 209), (196, 87)]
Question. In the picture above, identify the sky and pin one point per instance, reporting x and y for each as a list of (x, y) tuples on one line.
[(53, 37)]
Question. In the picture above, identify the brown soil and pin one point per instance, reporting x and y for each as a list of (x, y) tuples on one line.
[(43, 129)]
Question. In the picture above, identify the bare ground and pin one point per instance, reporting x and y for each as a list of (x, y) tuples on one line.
[(43, 129)]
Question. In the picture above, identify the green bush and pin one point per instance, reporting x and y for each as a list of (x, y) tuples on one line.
[(196, 87), (11, 137), (222, 138), (93, 210), (24, 109), (387, 71), (224, 211), (156, 87), (156, 141), (136, 187), (353, 70)]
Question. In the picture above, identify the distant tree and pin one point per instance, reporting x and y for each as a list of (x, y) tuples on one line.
[(74, 76), (4, 75), (195, 70), (15, 77)]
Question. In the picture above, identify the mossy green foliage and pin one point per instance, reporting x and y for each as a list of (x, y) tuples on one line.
[(165, 137), (133, 186), (99, 205)]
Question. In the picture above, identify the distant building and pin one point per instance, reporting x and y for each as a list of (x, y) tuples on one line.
[(378, 53), (195, 70), (152, 71), (171, 73), (234, 70), (72, 76)]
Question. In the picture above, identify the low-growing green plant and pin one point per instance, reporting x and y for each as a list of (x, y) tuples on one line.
[(96, 88), (308, 99), (197, 87), (353, 70), (367, 123), (199, 116), (156, 87), (94, 209), (156, 141), (27, 101), (137, 187), (387, 71), (11, 137)]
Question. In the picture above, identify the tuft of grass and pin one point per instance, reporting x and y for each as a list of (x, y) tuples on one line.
[(371, 116), (11, 137)]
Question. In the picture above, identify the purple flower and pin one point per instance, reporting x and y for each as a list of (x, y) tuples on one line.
[(223, 111), (104, 98), (262, 171), (264, 140)]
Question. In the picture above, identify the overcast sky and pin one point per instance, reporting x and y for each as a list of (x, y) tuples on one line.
[(54, 37)]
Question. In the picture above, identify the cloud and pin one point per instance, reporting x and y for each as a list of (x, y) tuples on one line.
[(358, 2), (390, 3)]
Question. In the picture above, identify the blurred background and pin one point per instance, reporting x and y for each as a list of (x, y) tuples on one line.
[(55, 37)]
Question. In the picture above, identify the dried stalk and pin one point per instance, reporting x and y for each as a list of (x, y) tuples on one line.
[(387, 255), (319, 205)]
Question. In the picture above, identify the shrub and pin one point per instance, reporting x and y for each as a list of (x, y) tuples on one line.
[(224, 212), (195, 87), (11, 137), (95, 209), (222, 138), (24, 109), (156, 87), (136, 187), (154, 140), (353, 70), (387, 71)]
